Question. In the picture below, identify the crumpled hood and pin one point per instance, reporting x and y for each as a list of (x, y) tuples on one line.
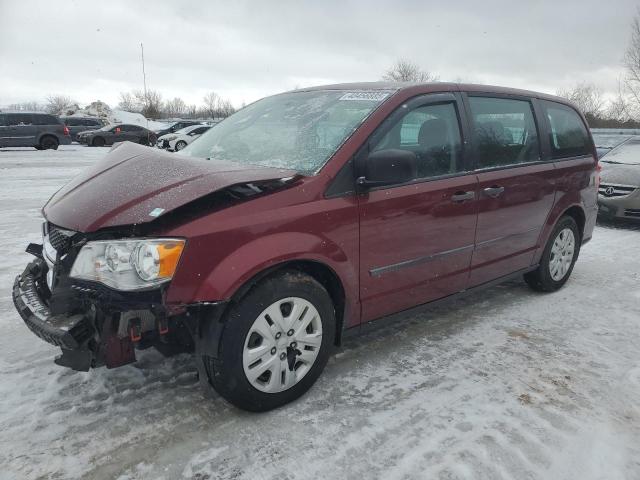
[(134, 184), (620, 174)]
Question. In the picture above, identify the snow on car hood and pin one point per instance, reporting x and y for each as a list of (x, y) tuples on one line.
[(134, 184)]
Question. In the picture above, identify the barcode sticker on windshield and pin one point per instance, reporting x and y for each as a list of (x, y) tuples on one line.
[(376, 96)]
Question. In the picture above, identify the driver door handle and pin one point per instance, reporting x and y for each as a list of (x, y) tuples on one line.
[(493, 192), (462, 196)]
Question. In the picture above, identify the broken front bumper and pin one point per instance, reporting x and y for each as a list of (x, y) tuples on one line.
[(69, 332)]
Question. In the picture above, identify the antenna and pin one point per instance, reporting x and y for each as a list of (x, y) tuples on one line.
[(144, 80), (144, 75)]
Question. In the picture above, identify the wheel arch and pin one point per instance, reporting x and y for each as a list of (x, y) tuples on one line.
[(319, 271), (575, 211), (212, 325), (44, 135)]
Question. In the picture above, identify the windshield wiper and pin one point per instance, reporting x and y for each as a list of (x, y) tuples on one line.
[(618, 163)]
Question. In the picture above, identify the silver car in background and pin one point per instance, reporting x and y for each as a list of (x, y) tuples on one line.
[(619, 191)]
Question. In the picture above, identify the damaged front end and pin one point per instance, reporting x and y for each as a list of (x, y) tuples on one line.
[(91, 322)]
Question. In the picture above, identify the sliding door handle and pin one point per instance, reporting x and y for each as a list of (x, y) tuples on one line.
[(459, 197), (493, 192)]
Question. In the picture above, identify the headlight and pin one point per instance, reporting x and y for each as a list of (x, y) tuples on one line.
[(128, 264)]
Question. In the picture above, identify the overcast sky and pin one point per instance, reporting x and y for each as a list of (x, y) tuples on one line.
[(91, 49)]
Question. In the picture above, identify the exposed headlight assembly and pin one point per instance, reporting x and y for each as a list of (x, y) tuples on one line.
[(133, 264)]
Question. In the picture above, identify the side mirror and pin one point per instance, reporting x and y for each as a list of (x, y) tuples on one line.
[(388, 167)]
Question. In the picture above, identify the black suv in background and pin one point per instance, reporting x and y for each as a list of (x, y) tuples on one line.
[(81, 124), (32, 129)]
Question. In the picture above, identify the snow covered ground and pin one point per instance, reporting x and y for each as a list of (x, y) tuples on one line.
[(506, 384)]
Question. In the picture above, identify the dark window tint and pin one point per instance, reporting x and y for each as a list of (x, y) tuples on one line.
[(432, 132), (3, 120), (45, 120), (504, 130), (20, 119), (199, 130), (568, 136), (72, 122)]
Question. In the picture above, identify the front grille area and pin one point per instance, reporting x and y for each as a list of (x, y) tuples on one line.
[(632, 212), (615, 190), (59, 238)]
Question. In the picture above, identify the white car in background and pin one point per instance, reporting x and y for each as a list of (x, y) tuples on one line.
[(178, 140)]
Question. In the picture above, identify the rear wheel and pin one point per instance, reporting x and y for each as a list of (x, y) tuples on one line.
[(98, 142), (275, 343), (180, 145), (48, 143), (559, 257)]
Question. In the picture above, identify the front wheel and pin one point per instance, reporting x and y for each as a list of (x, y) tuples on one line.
[(559, 257), (180, 145), (275, 344)]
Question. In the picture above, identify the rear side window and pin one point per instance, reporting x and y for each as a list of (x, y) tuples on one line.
[(20, 119), (504, 131), (90, 123), (45, 120), (568, 135)]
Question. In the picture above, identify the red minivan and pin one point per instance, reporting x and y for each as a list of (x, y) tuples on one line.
[(302, 217)]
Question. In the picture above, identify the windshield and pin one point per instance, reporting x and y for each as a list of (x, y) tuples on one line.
[(298, 131), (609, 140), (627, 153)]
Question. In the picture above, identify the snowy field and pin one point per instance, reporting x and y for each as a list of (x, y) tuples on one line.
[(506, 384)]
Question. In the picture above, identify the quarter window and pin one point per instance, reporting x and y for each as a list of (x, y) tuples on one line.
[(505, 132), (432, 132), (568, 135)]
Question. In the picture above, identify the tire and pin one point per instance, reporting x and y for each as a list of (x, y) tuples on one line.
[(180, 145), (48, 143), (227, 373), (98, 142), (548, 278)]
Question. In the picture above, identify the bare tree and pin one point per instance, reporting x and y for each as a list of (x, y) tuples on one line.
[(211, 100), (619, 108), (406, 71), (27, 106), (127, 102), (587, 97), (149, 103), (175, 107), (59, 104), (225, 108), (632, 60)]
